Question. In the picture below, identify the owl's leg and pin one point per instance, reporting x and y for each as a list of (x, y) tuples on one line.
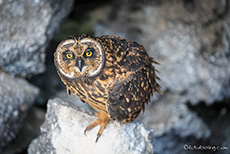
[(102, 120)]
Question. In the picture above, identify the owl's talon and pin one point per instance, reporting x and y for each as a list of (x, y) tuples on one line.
[(98, 136), (91, 126), (85, 131), (102, 120)]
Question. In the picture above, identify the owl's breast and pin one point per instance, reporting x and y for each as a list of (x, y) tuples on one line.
[(94, 93)]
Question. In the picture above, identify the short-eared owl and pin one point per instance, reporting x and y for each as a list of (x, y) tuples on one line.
[(114, 76)]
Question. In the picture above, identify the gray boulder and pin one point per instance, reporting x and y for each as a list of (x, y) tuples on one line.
[(175, 117), (29, 130), (26, 28), (16, 97), (190, 39), (174, 125), (63, 132)]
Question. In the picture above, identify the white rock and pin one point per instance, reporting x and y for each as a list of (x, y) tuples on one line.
[(63, 132)]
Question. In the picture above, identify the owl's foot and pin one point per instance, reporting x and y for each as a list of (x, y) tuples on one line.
[(102, 120)]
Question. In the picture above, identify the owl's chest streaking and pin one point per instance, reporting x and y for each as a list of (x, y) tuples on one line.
[(93, 91)]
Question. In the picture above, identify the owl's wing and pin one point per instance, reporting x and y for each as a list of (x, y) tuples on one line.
[(127, 96), (128, 55), (134, 85)]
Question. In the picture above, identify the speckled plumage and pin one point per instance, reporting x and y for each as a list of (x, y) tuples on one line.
[(117, 82)]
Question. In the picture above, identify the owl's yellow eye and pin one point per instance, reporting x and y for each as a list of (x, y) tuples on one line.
[(89, 53), (69, 55)]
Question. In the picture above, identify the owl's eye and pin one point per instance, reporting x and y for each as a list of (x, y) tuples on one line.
[(69, 55), (89, 52)]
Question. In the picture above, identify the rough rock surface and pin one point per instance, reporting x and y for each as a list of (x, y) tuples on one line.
[(174, 125), (16, 97), (190, 40), (62, 132), (30, 130), (25, 30), (169, 114)]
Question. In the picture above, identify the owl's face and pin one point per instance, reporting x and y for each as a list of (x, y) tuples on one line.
[(79, 56)]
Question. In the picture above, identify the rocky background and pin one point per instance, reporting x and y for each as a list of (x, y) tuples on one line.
[(190, 39)]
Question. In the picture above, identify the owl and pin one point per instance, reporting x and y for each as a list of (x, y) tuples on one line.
[(114, 76)]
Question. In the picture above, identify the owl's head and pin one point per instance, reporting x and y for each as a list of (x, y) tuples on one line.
[(79, 55)]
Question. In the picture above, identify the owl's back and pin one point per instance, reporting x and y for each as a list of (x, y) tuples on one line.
[(135, 79)]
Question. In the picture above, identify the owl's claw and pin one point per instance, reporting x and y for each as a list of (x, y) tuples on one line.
[(98, 135), (91, 126), (102, 120), (85, 131)]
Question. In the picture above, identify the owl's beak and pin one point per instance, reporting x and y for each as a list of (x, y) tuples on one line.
[(80, 63)]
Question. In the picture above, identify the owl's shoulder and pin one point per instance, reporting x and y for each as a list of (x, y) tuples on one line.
[(130, 56)]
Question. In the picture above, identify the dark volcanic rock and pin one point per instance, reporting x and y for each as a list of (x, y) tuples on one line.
[(63, 132), (25, 30), (16, 97)]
